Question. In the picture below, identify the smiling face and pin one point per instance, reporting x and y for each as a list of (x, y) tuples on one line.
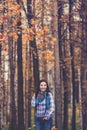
[(43, 86)]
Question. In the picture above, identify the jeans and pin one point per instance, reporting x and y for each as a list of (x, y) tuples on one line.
[(43, 124)]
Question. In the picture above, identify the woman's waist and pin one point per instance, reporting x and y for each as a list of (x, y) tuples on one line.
[(41, 115)]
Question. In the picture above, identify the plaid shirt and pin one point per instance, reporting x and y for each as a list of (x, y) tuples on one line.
[(41, 108)]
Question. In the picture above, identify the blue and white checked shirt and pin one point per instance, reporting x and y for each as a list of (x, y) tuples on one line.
[(41, 108)]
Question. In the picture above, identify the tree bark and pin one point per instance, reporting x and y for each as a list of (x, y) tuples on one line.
[(72, 67), (12, 93), (20, 79), (84, 65), (58, 90), (20, 85), (33, 45)]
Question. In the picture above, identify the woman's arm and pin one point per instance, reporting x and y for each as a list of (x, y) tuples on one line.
[(33, 101)]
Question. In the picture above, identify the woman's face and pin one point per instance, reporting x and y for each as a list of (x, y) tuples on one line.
[(43, 86)]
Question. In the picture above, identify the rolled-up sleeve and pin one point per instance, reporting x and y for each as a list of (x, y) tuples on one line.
[(33, 101)]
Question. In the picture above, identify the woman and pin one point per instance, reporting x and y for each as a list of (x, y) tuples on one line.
[(44, 106)]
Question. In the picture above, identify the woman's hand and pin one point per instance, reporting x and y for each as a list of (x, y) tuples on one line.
[(33, 94), (45, 118)]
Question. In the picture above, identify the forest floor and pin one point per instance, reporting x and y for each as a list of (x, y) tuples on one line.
[(78, 119)]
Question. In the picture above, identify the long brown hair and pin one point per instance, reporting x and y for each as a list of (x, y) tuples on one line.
[(38, 89)]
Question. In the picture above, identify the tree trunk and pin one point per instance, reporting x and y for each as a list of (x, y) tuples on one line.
[(58, 94), (63, 67), (72, 67), (20, 85), (20, 79), (65, 79), (12, 95), (33, 45), (0, 88), (84, 68)]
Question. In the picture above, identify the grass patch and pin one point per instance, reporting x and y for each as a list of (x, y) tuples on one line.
[(78, 119), (32, 119), (7, 127)]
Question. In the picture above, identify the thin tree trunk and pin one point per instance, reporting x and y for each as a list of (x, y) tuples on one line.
[(33, 45), (20, 85), (63, 70), (73, 72), (20, 79), (44, 68), (29, 102), (83, 70), (65, 79), (29, 87), (12, 94), (0, 88), (58, 90)]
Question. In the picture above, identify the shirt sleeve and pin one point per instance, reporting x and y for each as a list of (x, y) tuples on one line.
[(50, 111), (33, 101)]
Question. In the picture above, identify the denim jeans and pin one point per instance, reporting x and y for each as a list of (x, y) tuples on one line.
[(43, 124)]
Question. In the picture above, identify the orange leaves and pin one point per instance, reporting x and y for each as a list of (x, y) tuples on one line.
[(5, 52), (46, 29), (41, 35), (1, 7), (25, 38), (45, 44), (53, 41), (15, 36), (13, 8), (2, 38), (4, 49), (44, 38), (3, 19), (41, 31), (28, 35), (32, 21), (48, 55), (9, 3), (38, 35), (11, 29), (25, 1)]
